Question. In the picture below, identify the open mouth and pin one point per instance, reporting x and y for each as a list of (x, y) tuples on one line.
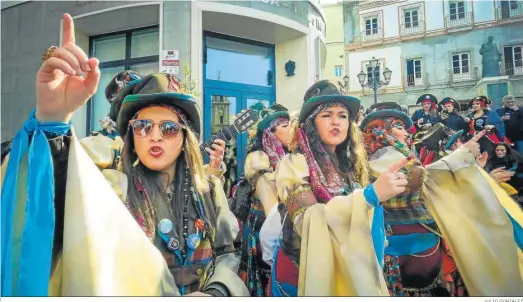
[(156, 151)]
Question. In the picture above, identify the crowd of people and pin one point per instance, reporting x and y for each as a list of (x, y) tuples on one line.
[(336, 201)]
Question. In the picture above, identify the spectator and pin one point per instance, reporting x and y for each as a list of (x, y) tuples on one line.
[(507, 164), (512, 117)]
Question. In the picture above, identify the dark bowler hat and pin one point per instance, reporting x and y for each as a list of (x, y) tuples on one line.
[(427, 97), (119, 82), (448, 100), (481, 98), (270, 114), (326, 91), (386, 113), (384, 105), (154, 89)]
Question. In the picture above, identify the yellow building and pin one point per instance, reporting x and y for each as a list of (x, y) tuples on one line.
[(334, 41)]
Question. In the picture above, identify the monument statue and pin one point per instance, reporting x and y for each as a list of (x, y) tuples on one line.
[(491, 58)]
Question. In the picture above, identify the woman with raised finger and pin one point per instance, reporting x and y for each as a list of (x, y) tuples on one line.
[(327, 246), (178, 237), (417, 257), (183, 211)]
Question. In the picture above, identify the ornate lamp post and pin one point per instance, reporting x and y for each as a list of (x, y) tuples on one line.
[(374, 83)]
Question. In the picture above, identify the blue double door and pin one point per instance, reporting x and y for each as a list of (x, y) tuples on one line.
[(238, 73), (221, 109)]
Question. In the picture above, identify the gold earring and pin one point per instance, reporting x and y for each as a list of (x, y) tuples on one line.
[(136, 162)]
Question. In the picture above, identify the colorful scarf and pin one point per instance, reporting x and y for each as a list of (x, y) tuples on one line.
[(380, 134), (271, 144), (324, 186)]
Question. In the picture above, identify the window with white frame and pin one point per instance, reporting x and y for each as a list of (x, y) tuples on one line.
[(510, 9), (411, 17), (136, 50), (513, 59), (457, 10), (460, 63), (371, 25), (414, 72), (376, 76), (338, 69)]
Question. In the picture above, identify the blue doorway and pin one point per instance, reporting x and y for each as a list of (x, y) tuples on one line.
[(237, 73)]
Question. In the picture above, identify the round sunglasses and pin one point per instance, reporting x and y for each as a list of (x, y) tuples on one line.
[(168, 129)]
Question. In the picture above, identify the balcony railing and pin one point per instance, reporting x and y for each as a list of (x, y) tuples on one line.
[(459, 19), (515, 68), (372, 35), (409, 28), (511, 10), (414, 80), (464, 74)]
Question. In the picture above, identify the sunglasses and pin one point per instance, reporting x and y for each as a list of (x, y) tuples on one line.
[(168, 129)]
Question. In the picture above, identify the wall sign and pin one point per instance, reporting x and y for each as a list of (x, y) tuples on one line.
[(170, 61), (307, 13)]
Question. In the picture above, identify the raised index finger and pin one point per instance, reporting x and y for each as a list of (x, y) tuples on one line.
[(395, 168), (68, 30), (476, 137)]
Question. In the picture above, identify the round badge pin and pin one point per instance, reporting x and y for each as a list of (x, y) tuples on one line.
[(193, 241), (199, 224), (173, 244), (165, 226)]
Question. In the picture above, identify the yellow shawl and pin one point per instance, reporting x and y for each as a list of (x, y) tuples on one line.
[(105, 253), (337, 254), (471, 212)]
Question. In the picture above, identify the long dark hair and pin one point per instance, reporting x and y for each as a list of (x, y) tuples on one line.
[(349, 158), (511, 154), (152, 180), (189, 159), (256, 143)]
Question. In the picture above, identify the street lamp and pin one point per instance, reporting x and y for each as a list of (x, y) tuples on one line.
[(374, 83)]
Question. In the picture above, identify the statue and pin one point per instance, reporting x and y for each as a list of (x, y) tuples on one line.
[(491, 58)]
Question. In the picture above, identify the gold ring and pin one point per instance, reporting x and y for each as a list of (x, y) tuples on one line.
[(48, 53)]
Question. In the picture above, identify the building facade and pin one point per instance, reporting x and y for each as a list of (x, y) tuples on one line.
[(237, 53), (334, 41), (434, 47)]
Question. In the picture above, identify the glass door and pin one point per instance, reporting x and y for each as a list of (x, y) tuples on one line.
[(224, 106), (249, 100), (222, 112)]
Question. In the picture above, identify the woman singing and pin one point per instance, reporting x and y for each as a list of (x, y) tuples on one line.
[(327, 248), (86, 238)]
